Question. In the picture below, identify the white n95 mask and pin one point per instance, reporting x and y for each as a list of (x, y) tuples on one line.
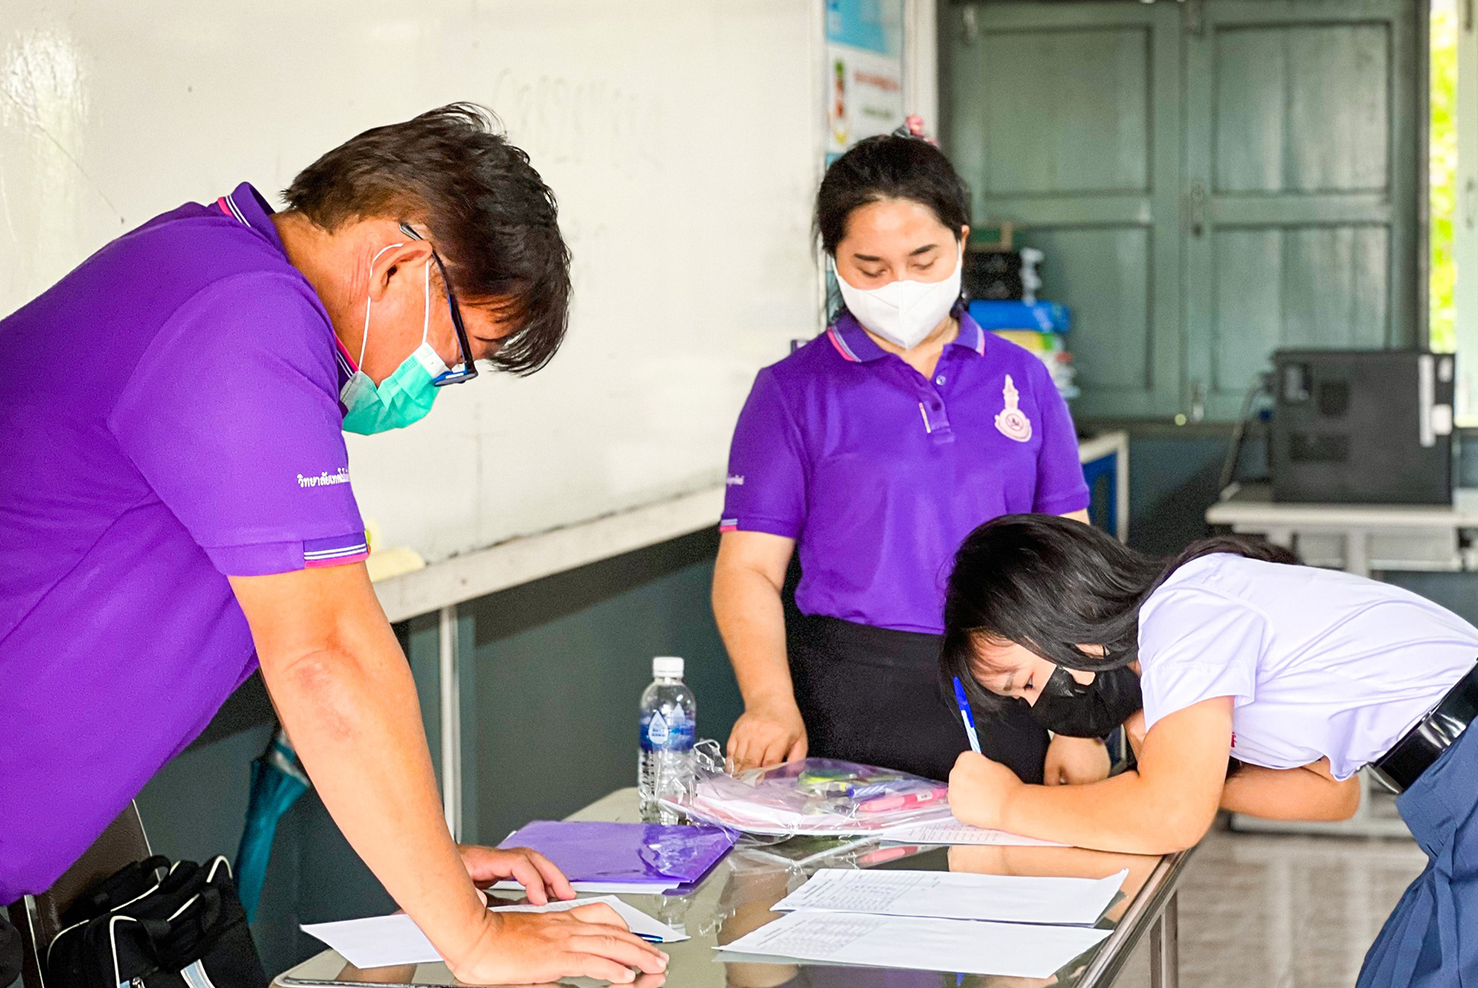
[(904, 312)]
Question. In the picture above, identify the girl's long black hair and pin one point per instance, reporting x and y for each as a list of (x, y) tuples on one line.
[(1051, 584)]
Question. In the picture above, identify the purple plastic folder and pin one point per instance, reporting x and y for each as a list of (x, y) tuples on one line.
[(636, 853)]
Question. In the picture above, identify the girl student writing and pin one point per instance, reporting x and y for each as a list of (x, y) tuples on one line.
[(1300, 676), (871, 452)]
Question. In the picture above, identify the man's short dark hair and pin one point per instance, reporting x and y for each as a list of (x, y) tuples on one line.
[(492, 219)]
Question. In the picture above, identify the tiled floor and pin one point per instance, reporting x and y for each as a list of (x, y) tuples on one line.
[(1277, 911)]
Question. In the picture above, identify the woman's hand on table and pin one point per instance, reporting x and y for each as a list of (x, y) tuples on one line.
[(979, 790), (1075, 761), (539, 876), (767, 734), (534, 948)]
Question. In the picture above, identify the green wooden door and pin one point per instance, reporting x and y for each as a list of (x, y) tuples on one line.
[(1210, 179), (1064, 118), (1301, 170)]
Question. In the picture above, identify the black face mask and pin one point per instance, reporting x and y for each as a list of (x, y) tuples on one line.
[(1066, 706)]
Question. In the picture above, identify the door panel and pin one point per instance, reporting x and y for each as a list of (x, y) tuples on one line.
[(1251, 111), (1106, 272), (1300, 148), (1277, 127), (1085, 130), (1334, 289), (1249, 302), (1064, 118), (1342, 143), (1210, 180), (1316, 287)]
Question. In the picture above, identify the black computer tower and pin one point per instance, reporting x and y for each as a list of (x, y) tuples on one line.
[(1365, 426)]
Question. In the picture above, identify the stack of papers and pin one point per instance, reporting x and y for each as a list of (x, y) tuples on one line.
[(917, 944), (1007, 925), (952, 831), (385, 941), (958, 895), (625, 858)]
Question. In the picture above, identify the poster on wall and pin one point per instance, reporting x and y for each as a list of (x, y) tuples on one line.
[(864, 71)]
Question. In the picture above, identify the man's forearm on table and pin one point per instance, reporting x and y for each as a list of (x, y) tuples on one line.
[(355, 721)]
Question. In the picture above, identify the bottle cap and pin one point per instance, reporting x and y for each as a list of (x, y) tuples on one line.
[(667, 667)]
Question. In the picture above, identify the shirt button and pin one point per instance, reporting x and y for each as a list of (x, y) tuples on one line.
[(939, 379)]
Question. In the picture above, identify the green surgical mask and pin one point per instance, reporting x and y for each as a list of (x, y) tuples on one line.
[(406, 395)]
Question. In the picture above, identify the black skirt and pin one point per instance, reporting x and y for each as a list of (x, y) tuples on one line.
[(873, 695)]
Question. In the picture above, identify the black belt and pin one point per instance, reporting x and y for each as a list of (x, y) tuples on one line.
[(1408, 758)]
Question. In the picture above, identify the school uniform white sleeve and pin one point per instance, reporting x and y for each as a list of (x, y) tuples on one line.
[(1194, 645)]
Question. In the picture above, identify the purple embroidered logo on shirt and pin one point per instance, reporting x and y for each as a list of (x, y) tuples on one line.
[(1012, 421)]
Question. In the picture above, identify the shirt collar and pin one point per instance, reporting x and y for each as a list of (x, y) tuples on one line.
[(970, 336), (851, 340), (246, 204), (856, 346)]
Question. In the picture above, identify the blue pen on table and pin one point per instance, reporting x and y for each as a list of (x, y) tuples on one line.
[(968, 716)]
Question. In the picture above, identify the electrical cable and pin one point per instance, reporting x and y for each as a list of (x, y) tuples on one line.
[(1262, 384)]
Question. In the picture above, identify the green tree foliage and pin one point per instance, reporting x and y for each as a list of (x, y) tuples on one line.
[(1443, 173)]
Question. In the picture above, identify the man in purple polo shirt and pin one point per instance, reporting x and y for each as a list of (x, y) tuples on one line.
[(175, 508)]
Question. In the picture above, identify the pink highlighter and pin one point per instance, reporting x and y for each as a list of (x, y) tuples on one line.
[(904, 801)]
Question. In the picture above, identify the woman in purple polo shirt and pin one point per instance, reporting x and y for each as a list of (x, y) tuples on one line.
[(873, 451)]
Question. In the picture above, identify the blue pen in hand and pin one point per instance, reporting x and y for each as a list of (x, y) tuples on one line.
[(966, 714)]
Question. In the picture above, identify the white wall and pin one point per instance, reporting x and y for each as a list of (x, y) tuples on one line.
[(681, 137), (921, 61), (1465, 225)]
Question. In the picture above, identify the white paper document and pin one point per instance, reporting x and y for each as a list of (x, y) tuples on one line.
[(957, 895), (1005, 949), (383, 941), (954, 832)]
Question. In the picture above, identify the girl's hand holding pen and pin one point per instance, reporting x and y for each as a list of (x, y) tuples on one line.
[(979, 790)]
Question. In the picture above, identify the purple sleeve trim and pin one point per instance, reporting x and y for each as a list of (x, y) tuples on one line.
[(322, 550), (770, 526), (265, 558), (336, 561), (1063, 503)]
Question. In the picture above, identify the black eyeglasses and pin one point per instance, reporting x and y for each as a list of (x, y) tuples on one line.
[(469, 370)]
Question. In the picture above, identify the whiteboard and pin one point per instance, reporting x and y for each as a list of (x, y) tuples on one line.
[(681, 138)]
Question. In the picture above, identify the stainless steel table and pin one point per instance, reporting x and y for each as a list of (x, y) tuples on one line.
[(737, 897)]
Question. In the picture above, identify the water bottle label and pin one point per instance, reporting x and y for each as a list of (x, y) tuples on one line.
[(674, 733)]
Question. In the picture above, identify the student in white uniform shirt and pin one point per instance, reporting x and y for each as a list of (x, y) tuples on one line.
[(1264, 687)]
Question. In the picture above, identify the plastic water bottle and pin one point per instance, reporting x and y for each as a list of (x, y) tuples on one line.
[(668, 728)]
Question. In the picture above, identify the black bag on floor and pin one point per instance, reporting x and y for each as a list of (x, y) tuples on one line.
[(10, 951), (153, 924)]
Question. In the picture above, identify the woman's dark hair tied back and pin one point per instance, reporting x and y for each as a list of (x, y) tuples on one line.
[(1052, 584), (889, 166)]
